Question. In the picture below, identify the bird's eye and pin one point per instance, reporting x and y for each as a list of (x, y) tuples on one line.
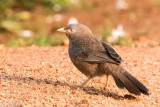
[(70, 30)]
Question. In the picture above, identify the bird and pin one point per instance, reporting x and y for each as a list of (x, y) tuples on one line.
[(93, 57)]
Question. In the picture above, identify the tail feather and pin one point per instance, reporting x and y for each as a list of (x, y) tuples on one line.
[(125, 79), (127, 83), (118, 82), (141, 87)]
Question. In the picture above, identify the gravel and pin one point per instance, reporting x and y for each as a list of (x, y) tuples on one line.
[(45, 76)]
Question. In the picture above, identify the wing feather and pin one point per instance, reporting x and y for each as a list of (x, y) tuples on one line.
[(112, 53)]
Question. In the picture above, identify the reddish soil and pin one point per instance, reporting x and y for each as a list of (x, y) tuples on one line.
[(39, 76)]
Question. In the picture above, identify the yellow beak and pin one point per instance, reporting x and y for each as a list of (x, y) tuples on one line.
[(62, 30)]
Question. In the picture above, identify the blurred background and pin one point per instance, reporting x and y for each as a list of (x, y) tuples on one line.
[(120, 22)]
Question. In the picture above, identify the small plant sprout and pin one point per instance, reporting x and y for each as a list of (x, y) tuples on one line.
[(121, 5), (116, 33), (72, 20), (25, 33)]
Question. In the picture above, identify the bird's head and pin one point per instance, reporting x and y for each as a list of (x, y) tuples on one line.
[(76, 31)]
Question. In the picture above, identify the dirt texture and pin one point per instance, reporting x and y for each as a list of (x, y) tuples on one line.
[(45, 76)]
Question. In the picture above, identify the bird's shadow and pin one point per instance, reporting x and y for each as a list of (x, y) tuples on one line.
[(87, 90)]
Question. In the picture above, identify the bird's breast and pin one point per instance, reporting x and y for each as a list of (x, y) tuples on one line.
[(76, 57)]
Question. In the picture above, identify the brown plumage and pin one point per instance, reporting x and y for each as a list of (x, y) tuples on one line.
[(95, 58)]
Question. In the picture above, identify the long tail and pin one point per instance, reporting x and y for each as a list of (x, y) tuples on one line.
[(125, 79)]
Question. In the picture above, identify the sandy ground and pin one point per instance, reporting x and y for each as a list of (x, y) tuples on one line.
[(37, 76)]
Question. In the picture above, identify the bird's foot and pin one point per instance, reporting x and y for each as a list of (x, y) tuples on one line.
[(105, 88)]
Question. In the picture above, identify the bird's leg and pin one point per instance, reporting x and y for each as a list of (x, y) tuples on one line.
[(107, 79), (85, 81)]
